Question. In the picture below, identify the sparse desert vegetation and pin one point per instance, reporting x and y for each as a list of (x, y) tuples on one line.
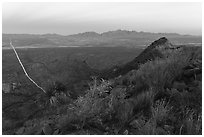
[(160, 94), (101, 68)]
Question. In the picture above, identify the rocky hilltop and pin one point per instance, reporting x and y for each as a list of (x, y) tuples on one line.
[(150, 53)]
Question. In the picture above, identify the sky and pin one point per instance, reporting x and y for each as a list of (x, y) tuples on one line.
[(71, 18)]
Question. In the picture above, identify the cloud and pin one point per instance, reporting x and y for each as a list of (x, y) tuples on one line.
[(52, 17)]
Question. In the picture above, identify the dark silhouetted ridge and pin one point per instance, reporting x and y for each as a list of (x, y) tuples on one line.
[(150, 53)]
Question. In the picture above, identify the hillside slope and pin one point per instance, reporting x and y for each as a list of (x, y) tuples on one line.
[(150, 53), (158, 93)]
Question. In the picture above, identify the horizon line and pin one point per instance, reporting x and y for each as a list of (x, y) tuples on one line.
[(52, 33)]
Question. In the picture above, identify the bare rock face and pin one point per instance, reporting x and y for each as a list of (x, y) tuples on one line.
[(150, 53), (164, 42)]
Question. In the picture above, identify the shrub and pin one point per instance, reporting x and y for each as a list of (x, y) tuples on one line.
[(160, 111), (158, 74), (192, 123), (89, 109), (156, 124), (56, 94)]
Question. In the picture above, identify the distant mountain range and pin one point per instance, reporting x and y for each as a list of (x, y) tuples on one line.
[(110, 38)]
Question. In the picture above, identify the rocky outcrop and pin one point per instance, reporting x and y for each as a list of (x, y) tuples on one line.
[(150, 53)]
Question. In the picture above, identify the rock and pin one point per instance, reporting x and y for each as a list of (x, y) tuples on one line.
[(150, 53), (6, 87)]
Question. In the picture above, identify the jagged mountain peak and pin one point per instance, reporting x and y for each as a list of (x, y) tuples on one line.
[(86, 34)]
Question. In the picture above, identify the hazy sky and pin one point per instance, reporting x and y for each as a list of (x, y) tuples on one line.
[(70, 18)]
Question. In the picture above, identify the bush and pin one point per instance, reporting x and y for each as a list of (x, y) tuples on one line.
[(158, 74), (90, 108), (156, 124), (151, 100), (192, 123)]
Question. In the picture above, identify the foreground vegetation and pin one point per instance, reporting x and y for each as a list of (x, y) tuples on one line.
[(163, 96)]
